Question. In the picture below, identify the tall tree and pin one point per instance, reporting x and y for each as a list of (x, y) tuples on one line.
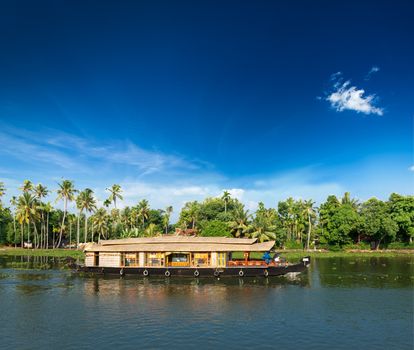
[(66, 192), (41, 192), (26, 211), (309, 213), (86, 202), (226, 197), (143, 211), (13, 203), (100, 221), (166, 218), (239, 226), (377, 222), (115, 193)]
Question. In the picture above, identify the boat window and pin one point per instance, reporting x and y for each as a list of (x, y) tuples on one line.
[(201, 259), (131, 259), (155, 259)]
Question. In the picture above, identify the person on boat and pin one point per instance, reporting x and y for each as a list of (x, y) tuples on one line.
[(266, 257)]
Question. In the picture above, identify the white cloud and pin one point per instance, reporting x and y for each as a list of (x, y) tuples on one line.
[(374, 69), (411, 168), (346, 97)]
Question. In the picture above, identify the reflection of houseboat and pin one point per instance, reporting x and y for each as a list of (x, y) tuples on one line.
[(184, 256)]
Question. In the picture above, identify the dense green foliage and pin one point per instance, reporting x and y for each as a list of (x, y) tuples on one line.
[(336, 223)]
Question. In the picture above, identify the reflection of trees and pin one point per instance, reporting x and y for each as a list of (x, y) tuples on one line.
[(372, 272)]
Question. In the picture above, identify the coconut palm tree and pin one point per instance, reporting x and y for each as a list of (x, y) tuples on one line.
[(226, 197), (47, 208), (115, 191), (86, 201), (2, 190), (99, 220), (143, 211), (262, 230), (166, 218), (309, 212), (66, 192), (13, 203), (26, 211), (239, 226), (41, 192), (150, 231), (194, 213), (27, 186)]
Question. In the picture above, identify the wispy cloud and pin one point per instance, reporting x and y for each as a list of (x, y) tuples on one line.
[(411, 168), (374, 69), (73, 153), (347, 97)]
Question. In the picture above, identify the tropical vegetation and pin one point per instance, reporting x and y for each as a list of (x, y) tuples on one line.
[(28, 220)]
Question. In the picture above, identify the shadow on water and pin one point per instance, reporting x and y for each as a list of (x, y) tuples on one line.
[(33, 262)]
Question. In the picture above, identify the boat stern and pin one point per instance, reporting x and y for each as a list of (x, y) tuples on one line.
[(306, 261)]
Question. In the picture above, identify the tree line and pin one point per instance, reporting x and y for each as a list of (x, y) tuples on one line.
[(335, 223)]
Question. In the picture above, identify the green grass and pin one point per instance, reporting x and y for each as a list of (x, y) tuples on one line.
[(298, 254), (57, 253)]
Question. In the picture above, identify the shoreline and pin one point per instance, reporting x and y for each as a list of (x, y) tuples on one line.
[(288, 254)]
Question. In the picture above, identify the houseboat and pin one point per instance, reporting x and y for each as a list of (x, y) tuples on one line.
[(186, 256)]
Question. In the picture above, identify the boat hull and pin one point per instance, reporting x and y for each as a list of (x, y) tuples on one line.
[(236, 271)]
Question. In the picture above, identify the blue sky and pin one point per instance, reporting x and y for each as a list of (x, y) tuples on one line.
[(180, 100)]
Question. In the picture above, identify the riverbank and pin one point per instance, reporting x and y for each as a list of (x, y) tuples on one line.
[(56, 253), (288, 254)]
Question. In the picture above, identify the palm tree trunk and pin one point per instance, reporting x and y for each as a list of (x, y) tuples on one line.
[(86, 229), (78, 230), (36, 235), (47, 231), (15, 233), (70, 235), (22, 234), (309, 232), (28, 232), (63, 223)]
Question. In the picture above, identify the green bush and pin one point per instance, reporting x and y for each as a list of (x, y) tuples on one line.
[(293, 245), (361, 246), (400, 245), (215, 228)]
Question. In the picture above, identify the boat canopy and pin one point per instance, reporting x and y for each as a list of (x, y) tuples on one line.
[(181, 244)]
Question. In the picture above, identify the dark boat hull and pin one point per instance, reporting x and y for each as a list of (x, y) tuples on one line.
[(239, 271)]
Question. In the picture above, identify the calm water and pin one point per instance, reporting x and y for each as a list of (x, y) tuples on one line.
[(339, 303)]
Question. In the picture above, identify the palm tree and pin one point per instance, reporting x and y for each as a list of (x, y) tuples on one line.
[(2, 193), (66, 192), (262, 230), (239, 226), (193, 213), (26, 211), (115, 191), (143, 211), (2, 190), (87, 202), (150, 231), (309, 212), (41, 192), (47, 208), (27, 186), (99, 221), (166, 218), (13, 203), (226, 199), (346, 199)]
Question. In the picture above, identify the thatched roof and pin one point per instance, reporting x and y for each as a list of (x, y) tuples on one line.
[(178, 239), (182, 247)]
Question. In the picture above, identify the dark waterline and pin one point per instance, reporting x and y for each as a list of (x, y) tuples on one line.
[(339, 303)]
